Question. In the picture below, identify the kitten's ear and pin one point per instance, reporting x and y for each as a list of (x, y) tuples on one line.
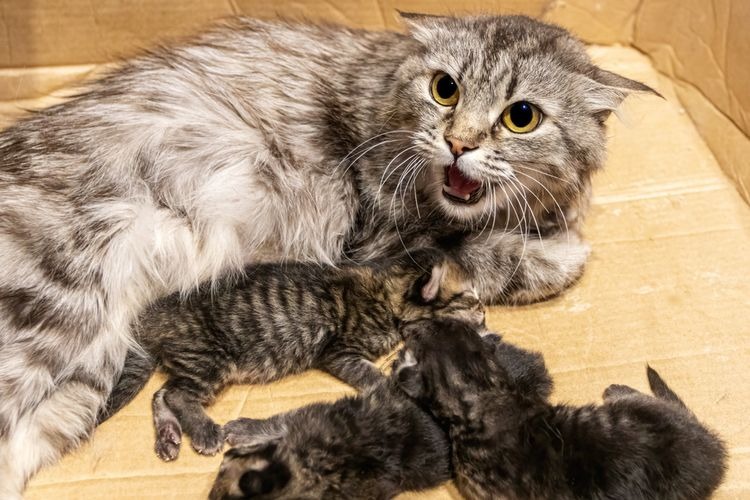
[(605, 91), (409, 376), (431, 289)]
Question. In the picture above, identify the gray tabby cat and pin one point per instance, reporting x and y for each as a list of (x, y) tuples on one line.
[(263, 141), (509, 441), (279, 320)]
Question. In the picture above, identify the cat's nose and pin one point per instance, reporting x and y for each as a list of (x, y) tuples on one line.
[(458, 146)]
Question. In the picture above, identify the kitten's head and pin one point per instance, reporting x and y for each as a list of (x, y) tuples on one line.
[(463, 377), (436, 286), (259, 470), (502, 109)]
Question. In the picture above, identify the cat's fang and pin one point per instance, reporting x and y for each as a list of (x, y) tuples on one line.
[(456, 194)]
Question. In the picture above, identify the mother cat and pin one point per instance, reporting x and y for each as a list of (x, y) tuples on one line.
[(266, 141)]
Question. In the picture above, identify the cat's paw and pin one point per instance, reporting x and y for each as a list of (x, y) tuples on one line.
[(548, 267), (168, 439), (238, 431), (208, 439), (492, 338)]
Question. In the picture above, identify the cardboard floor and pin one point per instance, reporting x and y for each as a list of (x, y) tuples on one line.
[(668, 283)]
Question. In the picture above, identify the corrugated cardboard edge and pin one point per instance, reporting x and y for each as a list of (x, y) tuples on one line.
[(728, 143), (697, 45)]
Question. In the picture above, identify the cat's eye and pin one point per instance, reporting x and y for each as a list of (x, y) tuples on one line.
[(444, 89), (521, 117)]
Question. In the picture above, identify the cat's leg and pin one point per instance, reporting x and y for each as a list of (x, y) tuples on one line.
[(248, 431), (57, 424), (520, 269), (353, 369), (185, 398), (167, 427)]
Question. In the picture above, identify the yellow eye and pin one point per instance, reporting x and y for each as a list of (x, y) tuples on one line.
[(521, 117), (444, 90)]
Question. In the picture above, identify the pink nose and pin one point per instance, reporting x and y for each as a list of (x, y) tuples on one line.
[(459, 147)]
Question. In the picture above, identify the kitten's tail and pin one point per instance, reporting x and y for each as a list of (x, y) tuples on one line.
[(660, 388), (138, 369)]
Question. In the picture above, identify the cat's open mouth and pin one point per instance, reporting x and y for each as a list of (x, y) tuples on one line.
[(460, 189)]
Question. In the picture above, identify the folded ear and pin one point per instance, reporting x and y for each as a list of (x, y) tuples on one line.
[(409, 376), (421, 26), (605, 90), (431, 289)]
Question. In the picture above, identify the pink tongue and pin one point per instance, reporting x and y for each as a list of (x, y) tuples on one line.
[(458, 182)]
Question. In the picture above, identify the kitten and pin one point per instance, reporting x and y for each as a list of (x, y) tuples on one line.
[(260, 141), (508, 441), (282, 319), (374, 445), (371, 446)]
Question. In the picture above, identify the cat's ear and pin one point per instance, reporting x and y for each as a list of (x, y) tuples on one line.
[(604, 91), (431, 289), (420, 26), (408, 375)]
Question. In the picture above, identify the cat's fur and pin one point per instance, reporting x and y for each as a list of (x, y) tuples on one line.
[(370, 446), (282, 319), (382, 428), (271, 141), (508, 441)]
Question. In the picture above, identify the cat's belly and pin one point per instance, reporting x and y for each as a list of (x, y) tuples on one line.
[(245, 214), (305, 219)]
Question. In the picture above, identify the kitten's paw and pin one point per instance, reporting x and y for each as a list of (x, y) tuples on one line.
[(208, 440), (237, 431), (168, 439), (492, 337), (616, 391)]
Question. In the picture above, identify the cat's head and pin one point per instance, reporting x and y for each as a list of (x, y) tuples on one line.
[(463, 377), (259, 470), (502, 111), (433, 285)]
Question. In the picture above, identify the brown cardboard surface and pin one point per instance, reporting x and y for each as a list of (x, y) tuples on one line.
[(704, 45), (69, 32), (668, 284)]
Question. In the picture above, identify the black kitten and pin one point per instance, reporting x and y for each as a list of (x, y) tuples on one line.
[(278, 320), (508, 441), (371, 446)]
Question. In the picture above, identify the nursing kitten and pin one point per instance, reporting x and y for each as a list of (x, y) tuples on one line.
[(261, 141), (509, 442), (374, 445), (282, 319), (371, 446)]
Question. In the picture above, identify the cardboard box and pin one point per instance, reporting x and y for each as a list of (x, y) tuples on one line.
[(669, 278)]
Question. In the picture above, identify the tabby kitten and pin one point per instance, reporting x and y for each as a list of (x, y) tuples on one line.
[(370, 446), (508, 441), (261, 141), (374, 445), (278, 320)]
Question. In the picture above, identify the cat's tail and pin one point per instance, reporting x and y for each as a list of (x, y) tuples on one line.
[(660, 388), (139, 367)]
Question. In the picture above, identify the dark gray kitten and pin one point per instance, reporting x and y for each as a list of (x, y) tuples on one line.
[(269, 141), (281, 319), (370, 446), (508, 441)]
